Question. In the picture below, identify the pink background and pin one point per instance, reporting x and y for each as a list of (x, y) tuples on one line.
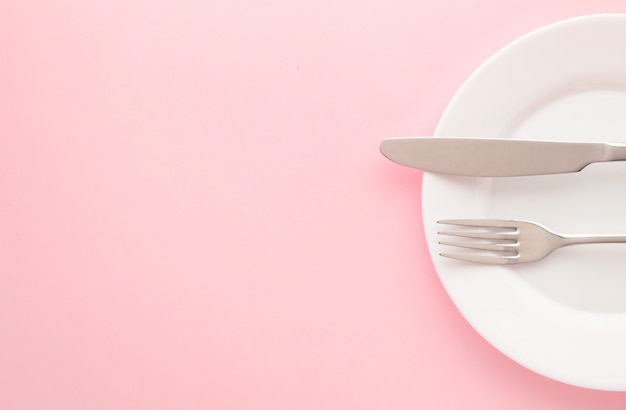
[(195, 214)]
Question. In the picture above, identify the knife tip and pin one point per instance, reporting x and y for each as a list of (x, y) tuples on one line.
[(384, 147)]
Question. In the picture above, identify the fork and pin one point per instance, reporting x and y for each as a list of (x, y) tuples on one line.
[(511, 242)]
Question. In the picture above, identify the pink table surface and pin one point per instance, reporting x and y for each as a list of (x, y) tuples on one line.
[(195, 214)]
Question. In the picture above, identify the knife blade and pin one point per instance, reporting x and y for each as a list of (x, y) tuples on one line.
[(488, 157)]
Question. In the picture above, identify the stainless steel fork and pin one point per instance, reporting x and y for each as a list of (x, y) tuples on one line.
[(511, 242)]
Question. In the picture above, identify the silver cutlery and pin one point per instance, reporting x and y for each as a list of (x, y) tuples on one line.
[(508, 242), (485, 157)]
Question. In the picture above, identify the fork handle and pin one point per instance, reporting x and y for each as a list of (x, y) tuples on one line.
[(583, 239)]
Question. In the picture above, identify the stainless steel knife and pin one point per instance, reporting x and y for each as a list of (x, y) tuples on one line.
[(486, 157)]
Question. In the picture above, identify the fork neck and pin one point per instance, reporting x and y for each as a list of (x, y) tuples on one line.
[(582, 239)]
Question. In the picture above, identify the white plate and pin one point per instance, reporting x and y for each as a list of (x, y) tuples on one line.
[(563, 317)]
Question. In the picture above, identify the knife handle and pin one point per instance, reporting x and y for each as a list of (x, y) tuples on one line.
[(615, 152)]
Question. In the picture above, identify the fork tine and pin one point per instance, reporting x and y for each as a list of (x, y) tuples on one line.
[(505, 247), (490, 260), (489, 223), (480, 235)]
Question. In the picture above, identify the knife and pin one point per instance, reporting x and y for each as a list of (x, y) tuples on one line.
[(486, 157)]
